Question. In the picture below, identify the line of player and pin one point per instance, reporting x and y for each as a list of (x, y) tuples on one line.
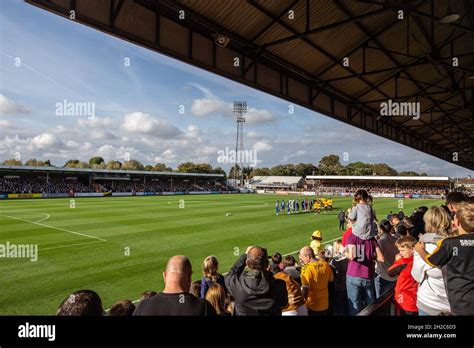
[(303, 205)]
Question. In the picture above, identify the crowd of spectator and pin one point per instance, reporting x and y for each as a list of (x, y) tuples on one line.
[(34, 184), (341, 279), (39, 184), (385, 188)]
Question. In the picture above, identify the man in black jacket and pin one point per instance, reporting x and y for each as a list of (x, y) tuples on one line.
[(175, 299), (255, 291)]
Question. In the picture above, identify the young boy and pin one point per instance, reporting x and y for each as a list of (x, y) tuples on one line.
[(316, 239), (406, 287), (456, 256)]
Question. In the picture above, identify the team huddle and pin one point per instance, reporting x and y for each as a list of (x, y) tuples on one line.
[(303, 205)]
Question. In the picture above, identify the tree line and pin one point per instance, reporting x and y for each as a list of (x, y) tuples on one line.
[(328, 165)]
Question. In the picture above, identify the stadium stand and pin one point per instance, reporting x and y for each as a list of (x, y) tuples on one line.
[(55, 180)]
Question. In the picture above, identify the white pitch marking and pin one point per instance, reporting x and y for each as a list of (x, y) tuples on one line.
[(56, 228), (69, 245), (47, 217)]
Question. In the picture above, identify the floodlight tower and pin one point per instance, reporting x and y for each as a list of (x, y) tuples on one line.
[(240, 108)]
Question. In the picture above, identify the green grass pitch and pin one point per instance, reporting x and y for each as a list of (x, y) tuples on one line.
[(152, 229)]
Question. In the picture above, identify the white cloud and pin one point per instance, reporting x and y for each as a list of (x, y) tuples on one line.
[(167, 156), (5, 123), (213, 105), (45, 141), (95, 122), (262, 146), (143, 123), (259, 116), (10, 107), (204, 107)]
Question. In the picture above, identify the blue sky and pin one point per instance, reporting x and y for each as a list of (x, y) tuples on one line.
[(137, 106)]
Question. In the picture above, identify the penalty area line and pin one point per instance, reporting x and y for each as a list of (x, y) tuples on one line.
[(70, 245), (56, 228)]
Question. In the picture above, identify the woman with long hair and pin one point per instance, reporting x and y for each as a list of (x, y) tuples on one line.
[(211, 275)]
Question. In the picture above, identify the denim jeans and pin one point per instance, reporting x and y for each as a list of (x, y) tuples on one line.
[(382, 285), (360, 292), (422, 314)]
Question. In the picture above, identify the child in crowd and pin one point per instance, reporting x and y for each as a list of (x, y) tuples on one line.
[(211, 276), (339, 264), (456, 256), (316, 239), (275, 263), (362, 216), (406, 287)]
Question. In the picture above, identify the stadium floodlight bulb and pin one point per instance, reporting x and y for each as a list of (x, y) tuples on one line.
[(240, 106)]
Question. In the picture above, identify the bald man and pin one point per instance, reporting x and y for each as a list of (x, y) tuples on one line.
[(175, 299), (256, 291), (315, 277)]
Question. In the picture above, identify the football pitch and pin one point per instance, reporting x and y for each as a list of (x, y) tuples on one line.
[(119, 246)]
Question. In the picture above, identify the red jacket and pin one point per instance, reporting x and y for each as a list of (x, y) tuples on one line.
[(345, 235), (406, 287)]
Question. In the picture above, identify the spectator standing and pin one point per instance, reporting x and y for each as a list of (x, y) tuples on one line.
[(211, 275), (256, 291), (296, 303), (386, 243), (175, 299), (339, 265), (406, 287), (316, 239), (432, 298), (291, 267), (216, 296), (315, 276), (361, 271), (342, 219), (124, 308), (81, 303), (456, 256)]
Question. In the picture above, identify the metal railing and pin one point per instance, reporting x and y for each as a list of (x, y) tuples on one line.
[(383, 306)]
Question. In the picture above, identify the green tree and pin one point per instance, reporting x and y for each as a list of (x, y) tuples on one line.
[(260, 172), (12, 162), (283, 170), (83, 165), (113, 165), (358, 168), (161, 167), (330, 165), (304, 169), (234, 171), (72, 163), (33, 162), (96, 160), (219, 170), (132, 165), (186, 167), (408, 173), (149, 167), (383, 169)]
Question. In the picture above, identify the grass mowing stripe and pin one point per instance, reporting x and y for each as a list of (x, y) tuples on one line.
[(56, 228)]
